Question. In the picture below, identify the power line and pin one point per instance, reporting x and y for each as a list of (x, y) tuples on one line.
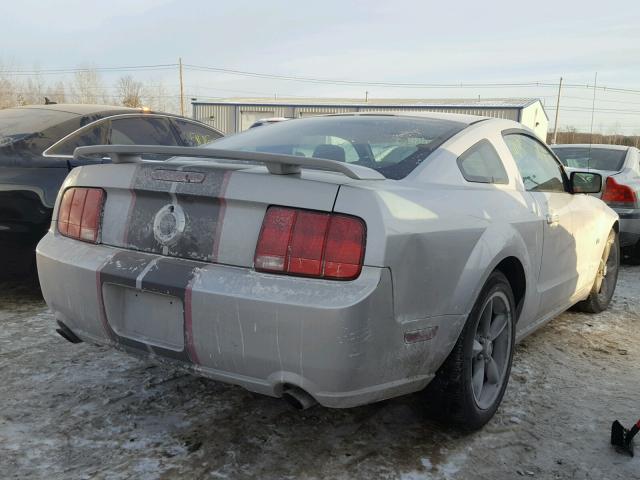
[(585, 99), (402, 84), (602, 110), (65, 71), (361, 83)]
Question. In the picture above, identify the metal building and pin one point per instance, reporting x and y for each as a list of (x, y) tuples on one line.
[(235, 115)]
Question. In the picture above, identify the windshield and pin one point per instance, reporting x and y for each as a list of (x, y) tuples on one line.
[(596, 158), (392, 145), (19, 123)]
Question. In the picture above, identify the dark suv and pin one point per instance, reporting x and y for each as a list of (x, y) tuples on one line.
[(36, 154)]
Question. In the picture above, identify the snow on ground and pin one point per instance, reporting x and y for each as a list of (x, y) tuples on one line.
[(80, 411)]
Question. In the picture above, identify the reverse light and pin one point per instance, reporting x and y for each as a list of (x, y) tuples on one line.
[(312, 244), (618, 194), (79, 213)]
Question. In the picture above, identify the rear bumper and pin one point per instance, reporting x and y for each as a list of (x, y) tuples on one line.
[(339, 341)]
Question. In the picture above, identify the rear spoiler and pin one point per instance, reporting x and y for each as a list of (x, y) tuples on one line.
[(276, 163)]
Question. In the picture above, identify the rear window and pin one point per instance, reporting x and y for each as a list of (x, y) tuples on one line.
[(139, 130), (596, 158), (20, 123), (392, 145)]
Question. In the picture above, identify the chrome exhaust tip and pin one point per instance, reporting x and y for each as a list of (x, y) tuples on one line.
[(298, 398)]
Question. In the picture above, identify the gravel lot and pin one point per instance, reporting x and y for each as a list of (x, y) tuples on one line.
[(79, 411)]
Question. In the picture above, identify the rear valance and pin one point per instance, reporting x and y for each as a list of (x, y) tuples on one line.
[(276, 163)]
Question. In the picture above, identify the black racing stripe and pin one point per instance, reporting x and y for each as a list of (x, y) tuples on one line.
[(170, 277), (124, 268), (167, 276), (202, 204), (140, 234)]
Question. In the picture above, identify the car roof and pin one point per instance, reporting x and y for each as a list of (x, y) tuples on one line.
[(456, 117), (592, 146), (83, 109)]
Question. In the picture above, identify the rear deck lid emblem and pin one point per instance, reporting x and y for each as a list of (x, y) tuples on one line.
[(169, 224), (177, 176)]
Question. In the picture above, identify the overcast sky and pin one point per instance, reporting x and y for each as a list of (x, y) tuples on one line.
[(391, 41)]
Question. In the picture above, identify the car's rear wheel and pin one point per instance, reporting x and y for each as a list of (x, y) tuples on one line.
[(469, 386), (606, 278)]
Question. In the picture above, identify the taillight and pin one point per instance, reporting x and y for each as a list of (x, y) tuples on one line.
[(312, 244), (616, 193), (79, 213)]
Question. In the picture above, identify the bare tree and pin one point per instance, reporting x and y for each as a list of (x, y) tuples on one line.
[(130, 91), (57, 93), (32, 91), (8, 87), (158, 98), (87, 87)]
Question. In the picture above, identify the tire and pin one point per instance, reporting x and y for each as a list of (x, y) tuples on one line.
[(604, 284), (453, 396)]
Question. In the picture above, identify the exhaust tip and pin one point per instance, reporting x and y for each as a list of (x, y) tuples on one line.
[(298, 398), (66, 333)]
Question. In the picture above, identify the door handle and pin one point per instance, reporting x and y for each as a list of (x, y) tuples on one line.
[(553, 219)]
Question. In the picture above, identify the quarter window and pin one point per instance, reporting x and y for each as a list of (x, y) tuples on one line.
[(482, 164), (193, 134), (539, 169)]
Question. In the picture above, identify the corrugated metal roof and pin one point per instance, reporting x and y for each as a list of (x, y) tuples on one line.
[(382, 102)]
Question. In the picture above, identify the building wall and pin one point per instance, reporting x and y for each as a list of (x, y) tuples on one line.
[(231, 118), (534, 117)]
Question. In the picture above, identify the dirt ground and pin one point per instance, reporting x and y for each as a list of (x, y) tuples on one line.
[(79, 411)]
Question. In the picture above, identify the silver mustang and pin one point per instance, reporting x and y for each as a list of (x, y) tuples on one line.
[(340, 259)]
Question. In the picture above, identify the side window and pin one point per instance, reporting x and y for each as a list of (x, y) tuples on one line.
[(193, 134), (142, 131), (539, 169), (482, 164), (95, 135)]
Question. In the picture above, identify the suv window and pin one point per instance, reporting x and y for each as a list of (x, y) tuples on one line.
[(540, 171), (194, 134), (142, 131), (95, 135), (482, 164)]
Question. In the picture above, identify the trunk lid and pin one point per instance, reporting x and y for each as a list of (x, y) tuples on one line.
[(207, 212)]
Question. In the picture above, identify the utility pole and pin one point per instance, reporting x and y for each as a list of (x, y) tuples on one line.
[(181, 88), (554, 139), (366, 96)]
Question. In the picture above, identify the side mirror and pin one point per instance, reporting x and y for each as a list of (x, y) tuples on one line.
[(586, 182)]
